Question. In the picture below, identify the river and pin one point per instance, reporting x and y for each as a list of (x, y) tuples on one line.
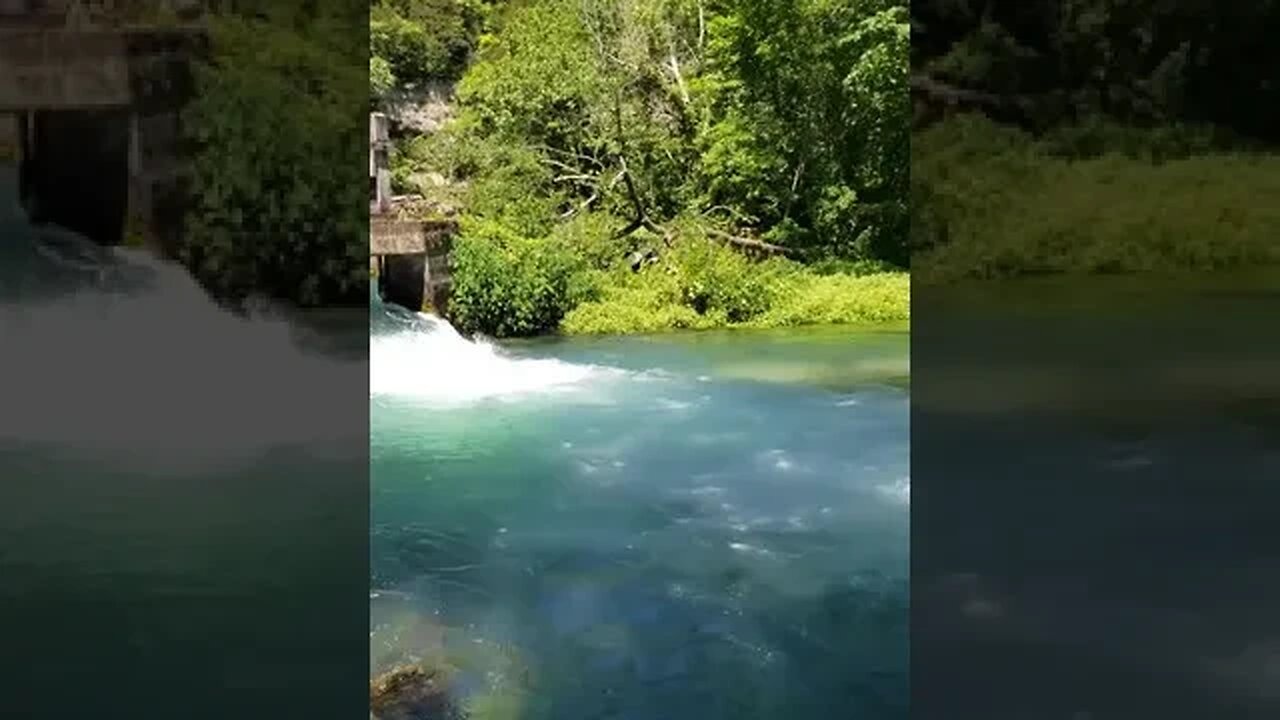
[(1094, 513), (182, 493), (689, 526)]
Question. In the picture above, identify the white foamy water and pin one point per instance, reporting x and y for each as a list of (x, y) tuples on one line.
[(425, 359), (117, 353)]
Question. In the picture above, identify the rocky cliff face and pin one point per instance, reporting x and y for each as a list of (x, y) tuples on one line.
[(420, 110), (413, 112)]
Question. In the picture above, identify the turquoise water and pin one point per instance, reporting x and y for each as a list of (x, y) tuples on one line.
[(705, 526)]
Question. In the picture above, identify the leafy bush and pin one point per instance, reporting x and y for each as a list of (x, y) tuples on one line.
[(506, 284), (635, 311), (381, 77), (714, 279), (806, 299), (279, 194)]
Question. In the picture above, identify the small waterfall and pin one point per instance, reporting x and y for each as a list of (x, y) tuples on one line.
[(422, 357), (114, 351)]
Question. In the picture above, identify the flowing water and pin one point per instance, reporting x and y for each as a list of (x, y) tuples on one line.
[(181, 493), (696, 526), (1094, 530)]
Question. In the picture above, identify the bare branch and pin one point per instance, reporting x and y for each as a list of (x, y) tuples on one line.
[(702, 28), (675, 71), (752, 244), (954, 95), (581, 177), (616, 179), (583, 206), (795, 183)]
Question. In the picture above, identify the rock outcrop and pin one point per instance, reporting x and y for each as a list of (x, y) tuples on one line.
[(410, 692)]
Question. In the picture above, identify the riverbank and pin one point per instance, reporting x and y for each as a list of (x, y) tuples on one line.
[(676, 296), (991, 201), (781, 297)]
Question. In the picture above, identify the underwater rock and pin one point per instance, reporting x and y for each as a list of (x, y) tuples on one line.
[(410, 692)]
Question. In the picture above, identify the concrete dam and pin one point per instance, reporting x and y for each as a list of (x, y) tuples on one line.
[(97, 106), (410, 257)]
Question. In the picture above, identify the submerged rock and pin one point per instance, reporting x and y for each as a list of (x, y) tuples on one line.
[(410, 692)]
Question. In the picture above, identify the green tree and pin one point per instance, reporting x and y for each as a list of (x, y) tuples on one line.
[(279, 198)]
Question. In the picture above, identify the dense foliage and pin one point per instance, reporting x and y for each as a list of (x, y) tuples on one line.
[(1114, 136), (414, 41), (279, 196), (590, 129), (1138, 62)]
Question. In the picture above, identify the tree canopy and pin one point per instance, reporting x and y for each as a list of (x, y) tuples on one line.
[(1137, 62)]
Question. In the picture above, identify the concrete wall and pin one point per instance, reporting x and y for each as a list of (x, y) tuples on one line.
[(103, 158), (412, 259), (162, 83)]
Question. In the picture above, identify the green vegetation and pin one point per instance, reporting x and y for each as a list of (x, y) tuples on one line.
[(279, 194), (754, 152), (1095, 140), (995, 202), (416, 41)]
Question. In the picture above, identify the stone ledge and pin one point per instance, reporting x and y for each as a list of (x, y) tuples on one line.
[(390, 236)]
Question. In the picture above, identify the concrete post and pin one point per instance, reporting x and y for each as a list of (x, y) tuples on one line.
[(379, 172)]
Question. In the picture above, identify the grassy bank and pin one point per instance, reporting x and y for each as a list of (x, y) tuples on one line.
[(789, 296), (509, 284), (990, 201)]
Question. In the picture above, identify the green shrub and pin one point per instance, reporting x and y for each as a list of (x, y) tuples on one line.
[(635, 310), (807, 299), (279, 196), (714, 278), (381, 77), (506, 284)]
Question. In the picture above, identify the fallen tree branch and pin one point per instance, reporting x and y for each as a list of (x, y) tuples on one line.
[(753, 244), (953, 94)]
